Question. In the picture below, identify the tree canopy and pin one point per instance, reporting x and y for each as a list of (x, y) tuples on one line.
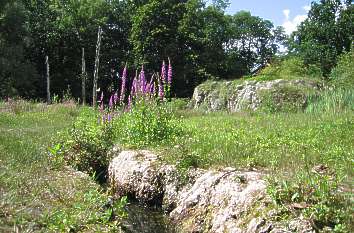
[(200, 39)]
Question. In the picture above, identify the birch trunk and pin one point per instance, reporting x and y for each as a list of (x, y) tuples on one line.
[(97, 63), (83, 77), (48, 80)]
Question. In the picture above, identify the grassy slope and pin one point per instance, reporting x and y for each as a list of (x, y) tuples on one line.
[(283, 142), (35, 195)]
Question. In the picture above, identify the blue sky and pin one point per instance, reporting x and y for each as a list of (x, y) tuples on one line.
[(287, 13)]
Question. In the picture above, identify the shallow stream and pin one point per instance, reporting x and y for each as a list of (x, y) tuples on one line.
[(142, 219)]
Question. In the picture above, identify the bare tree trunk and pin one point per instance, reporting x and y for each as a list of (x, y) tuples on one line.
[(83, 77), (97, 62), (48, 80)]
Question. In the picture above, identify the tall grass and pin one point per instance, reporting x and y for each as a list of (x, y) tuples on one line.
[(332, 101)]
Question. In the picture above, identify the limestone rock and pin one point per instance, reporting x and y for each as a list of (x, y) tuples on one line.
[(136, 173), (210, 201), (215, 96)]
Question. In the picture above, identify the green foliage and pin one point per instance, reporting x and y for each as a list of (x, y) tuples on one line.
[(331, 101), (289, 68), (325, 34), (72, 219), (147, 123), (87, 144), (252, 43), (284, 99), (35, 195), (317, 196), (342, 75)]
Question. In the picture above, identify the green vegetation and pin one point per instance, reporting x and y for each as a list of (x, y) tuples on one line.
[(202, 41), (146, 124), (37, 193), (301, 137)]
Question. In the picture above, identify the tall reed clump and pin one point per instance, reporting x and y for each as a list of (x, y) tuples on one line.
[(332, 101)]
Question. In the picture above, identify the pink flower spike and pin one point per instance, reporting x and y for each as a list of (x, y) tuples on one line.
[(161, 89), (163, 72), (142, 80), (124, 80), (111, 102), (169, 73), (115, 98)]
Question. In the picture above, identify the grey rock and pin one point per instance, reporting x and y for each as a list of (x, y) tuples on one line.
[(209, 201), (225, 96)]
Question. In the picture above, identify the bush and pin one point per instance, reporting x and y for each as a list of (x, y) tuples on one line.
[(332, 101), (315, 195), (342, 76), (290, 68), (283, 99), (147, 123), (86, 146)]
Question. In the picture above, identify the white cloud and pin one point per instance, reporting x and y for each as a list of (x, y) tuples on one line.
[(286, 12), (289, 24), (307, 8)]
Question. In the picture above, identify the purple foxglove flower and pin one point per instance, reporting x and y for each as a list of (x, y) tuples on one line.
[(163, 72), (124, 80), (101, 103), (147, 89), (115, 98), (169, 73), (152, 89), (129, 102), (161, 89), (111, 102), (109, 118), (134, 87), (142, 80)]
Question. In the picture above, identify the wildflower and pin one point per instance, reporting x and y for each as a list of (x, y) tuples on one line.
[(129, 102), (163, 72), (142, 80), (124, 80), (169, 73), (134, 87), (115, 98), (101, 102), (111, 102), (161, 89)]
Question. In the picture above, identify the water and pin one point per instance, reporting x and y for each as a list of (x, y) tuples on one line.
[(142, 219)]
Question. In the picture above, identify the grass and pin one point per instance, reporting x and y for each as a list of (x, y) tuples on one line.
[(287, 147), (281, 142), (37, 194)]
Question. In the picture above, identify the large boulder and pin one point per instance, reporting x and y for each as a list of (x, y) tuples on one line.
[(225, 200), (235, 96)]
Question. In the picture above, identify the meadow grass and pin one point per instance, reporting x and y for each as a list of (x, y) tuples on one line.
[(37, 194), (282, 142)]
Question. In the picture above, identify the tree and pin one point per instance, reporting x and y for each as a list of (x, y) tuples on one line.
[(18, 75), (325, 34), (252, 43)]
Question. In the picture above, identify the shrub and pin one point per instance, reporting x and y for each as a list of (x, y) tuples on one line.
[(342, 76), (331, 101), (147, 123), (86, 146), (315, 195), (290, 68), (283, 99)]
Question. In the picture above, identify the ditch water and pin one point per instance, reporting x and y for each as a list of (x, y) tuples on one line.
[(143, 219)]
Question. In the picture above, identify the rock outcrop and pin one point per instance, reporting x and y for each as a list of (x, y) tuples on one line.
[(226, 200), (234, 96)]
